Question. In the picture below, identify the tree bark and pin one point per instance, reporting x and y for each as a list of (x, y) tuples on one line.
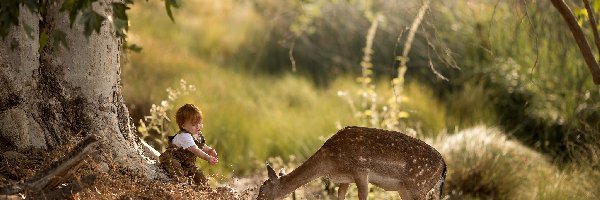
[(18, 67), (60, 92)]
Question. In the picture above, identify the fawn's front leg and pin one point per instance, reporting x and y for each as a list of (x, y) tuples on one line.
[(362, 183)]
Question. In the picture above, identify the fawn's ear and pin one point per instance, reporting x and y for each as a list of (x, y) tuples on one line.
[(271, 172)]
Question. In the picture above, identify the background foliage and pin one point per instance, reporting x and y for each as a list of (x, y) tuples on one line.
[(268, 75)]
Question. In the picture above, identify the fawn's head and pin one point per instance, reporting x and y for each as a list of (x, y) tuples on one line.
[(270, 188)]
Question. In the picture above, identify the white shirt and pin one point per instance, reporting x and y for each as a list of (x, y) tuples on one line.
[(184, 140)]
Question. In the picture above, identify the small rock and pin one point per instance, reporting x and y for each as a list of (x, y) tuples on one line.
[(13, 156), (103, 167)]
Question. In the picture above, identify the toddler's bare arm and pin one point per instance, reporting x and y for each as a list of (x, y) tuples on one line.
[(194, 149), (210, 151)]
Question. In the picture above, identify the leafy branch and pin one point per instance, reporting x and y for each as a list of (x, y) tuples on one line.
[(90, 19)]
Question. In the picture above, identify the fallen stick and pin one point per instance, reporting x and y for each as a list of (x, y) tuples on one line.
[(11, 197), (59, 171)]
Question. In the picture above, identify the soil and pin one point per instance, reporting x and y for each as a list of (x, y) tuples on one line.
[(104, 180)]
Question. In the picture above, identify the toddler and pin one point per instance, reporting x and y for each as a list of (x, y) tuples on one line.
[(180, 157)]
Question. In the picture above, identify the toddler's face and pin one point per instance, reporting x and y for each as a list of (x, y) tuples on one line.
[(194, 128)]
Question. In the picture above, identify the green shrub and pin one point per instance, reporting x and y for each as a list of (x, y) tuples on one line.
[(484, 164)]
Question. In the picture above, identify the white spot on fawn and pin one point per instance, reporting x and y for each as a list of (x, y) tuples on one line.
[(362, 159)]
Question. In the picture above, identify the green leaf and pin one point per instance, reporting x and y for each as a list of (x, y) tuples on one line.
[(75, 7), (60, 37), (168, 4), (403, 114), (400, 58), (67, 5), (121, 26), (32, 5), (9, 16), (43, 40), (134, 47), (92, 21), (119, 10), (596, 5), (120, 19), (28, 30)]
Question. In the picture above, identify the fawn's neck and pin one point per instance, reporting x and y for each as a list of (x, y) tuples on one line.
[(311, 169)]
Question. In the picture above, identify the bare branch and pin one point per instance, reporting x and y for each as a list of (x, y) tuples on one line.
[(291, 55), (533, 34), (582, 43), (593, 23), (444, 54), (492, 18), (437, 74), (411, 33)]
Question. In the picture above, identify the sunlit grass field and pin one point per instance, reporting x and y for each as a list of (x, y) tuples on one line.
[(247, 117), (251, 116)]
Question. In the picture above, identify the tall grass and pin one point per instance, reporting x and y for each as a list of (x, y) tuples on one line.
[(252, 117), (247, 117)]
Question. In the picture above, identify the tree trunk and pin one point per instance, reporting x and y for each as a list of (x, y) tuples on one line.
[(58, 92)]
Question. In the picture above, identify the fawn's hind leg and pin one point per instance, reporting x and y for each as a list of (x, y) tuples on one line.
[(404, 194), (342, 191)]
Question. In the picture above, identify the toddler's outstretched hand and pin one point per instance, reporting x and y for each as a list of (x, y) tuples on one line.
[(212, 152), (213, 160)]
